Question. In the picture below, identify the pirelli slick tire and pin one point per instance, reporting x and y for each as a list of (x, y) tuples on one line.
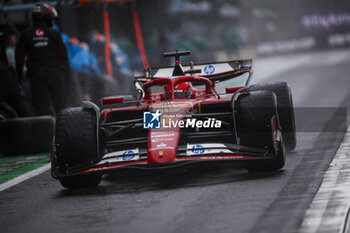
[(76, 144), (28, 135), (85, 181), (254, 113), (285, 110)]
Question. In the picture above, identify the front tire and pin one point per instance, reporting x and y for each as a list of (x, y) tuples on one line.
[(76, 146), (285, 110), (256, 111)]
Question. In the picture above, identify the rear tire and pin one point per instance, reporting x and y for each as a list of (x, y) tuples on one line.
[(76, 145), (28, 135), (285, 110), (255, 111)]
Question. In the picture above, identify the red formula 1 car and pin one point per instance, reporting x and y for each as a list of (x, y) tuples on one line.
[(184, 114)]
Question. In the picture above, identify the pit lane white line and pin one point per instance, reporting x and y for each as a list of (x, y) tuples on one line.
[(24, 177), (328, 210)]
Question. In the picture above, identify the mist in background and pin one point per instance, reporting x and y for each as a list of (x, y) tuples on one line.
[(212, 30)]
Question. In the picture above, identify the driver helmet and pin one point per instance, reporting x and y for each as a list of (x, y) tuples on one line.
[(183, 90), (44, 13)]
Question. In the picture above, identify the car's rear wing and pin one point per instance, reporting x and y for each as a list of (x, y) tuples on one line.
[(213, 71)]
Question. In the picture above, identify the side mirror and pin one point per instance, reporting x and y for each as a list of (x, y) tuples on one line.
[(112, 100), (232, 89)]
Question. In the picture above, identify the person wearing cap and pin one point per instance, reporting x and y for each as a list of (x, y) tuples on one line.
[(47, 61)]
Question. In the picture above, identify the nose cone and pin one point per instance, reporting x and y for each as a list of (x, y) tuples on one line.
[(162, 146), (163, 143)]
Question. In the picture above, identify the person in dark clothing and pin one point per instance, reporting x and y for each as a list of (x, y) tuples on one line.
[(47, 61), (9, 87), (5, 32)]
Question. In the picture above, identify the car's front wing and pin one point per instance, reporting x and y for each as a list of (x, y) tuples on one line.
[(179, 161)]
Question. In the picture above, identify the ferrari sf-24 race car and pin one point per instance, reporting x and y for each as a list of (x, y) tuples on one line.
[(183, 115)]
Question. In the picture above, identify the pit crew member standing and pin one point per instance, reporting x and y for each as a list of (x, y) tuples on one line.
[(47, 61)]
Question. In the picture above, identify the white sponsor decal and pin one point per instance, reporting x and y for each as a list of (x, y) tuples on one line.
[(162, 148), (206, 148), (41, 44), (163, 139), (161, 145), (121, 156), (161, 135)]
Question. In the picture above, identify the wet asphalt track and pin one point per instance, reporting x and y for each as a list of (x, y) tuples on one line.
[(208, 199)]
